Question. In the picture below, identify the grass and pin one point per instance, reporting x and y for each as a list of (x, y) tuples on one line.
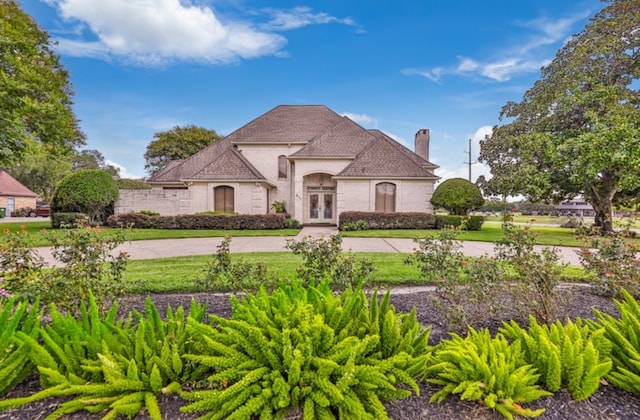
[(173, 275)]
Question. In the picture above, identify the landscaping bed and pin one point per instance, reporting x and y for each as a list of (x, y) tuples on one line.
[(578, 301)]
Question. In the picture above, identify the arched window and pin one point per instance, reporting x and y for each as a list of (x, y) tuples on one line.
[(223, 200), (282, 166), (386, 197)]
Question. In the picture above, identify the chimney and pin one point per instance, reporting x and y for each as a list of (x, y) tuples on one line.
[(422, 143)]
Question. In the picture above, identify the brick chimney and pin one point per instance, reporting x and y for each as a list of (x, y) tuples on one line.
[(422, 143)]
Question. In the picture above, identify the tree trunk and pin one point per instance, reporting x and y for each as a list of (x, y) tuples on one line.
[(601, 199)]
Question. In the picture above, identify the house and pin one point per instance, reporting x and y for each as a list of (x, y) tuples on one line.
[(14, 195), (575, 207), (318, 162)]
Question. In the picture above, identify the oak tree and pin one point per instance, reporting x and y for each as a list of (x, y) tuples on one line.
[(177, 143), (35, 92), (577, 130)]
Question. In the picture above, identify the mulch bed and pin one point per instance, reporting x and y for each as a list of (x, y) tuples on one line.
[(607, 403)]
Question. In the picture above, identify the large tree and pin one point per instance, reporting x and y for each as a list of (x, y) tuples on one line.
[(577, 130), (177, 143), (35, 92), (92, 159)]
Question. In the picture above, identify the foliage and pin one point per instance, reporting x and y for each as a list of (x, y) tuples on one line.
[(333, 355), (35, 90), (624, 333), (62, 219), (111, 365), (92, 159), (538, 273), (132, 184), (464, 222), (571, 354), (279, 206), (198, 221), (85, 265), (615, 264), (223, 274), (576, 131), (354, 226), (15, 361), (458, 196), (467, 290), (323, 259), (291, 223), (485, 369), (88, 191), (177, 143), (398, 220)]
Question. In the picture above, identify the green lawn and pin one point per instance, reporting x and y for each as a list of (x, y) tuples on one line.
[(178, 274)]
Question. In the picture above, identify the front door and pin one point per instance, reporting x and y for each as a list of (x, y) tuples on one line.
[(322, 207)]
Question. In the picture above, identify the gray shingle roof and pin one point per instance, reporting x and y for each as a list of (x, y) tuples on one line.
[(385, 157), (325, 135)]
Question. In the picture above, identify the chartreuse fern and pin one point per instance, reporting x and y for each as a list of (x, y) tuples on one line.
[(15, 362), (572, 355), (489, 370), (624, 334), (115, 367), (332, 355)]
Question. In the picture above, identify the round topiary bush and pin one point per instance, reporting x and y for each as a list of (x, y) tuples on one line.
[(458, 196), (89, 191)]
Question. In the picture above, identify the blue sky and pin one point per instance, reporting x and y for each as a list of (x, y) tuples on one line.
[(143, 66)]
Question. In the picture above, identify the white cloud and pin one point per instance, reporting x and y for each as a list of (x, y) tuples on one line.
[(363, 119), (527, 57), (124, 173), (157, 32)]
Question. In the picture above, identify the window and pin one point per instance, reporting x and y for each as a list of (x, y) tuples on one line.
[(282, 166), (223, 200), (386, 197)]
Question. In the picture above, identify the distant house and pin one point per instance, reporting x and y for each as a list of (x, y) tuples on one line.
[(575, 207), (14, 195), (318, 162)]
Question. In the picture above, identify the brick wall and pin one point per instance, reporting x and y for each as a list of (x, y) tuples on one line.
[(166, 202)]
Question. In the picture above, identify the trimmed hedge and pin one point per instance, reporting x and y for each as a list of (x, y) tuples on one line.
[(67, 219), (199, 221), (471, 222), (409, 220)]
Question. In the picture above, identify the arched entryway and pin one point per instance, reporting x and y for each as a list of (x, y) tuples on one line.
[(320, 199)]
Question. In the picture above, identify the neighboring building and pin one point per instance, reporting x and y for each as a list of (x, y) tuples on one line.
[(317, 161), (14, 195), (575, 207)]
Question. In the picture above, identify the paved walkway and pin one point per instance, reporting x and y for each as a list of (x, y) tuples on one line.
[(164, 248)]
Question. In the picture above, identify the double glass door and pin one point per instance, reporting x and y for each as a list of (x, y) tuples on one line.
[(321, 207)]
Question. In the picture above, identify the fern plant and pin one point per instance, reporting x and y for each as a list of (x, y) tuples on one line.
[(485, 369), (624, 333), (306, 347), (572, 355), (15, 362), (108, 365)]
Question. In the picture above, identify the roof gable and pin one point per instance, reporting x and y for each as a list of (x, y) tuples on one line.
[(9, 186)]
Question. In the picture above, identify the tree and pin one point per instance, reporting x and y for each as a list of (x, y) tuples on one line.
[(92, 159), (89, 191), (177, 143), (41, 171), (458, 196), (35, 92), (577, 130)]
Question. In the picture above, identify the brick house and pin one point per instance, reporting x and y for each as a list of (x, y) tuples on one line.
[(317, 161), (14, 195)]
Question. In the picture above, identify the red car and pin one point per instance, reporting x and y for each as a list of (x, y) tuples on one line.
[(40, 211)]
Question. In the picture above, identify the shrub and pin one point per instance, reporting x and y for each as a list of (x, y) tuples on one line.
[(623, 334), (15, 360), (615, 265), (458, 196), (132, 184), (464, 222), (306, 347), (199, 221), (409, 220), (487, 370), (62, 219), (355, 226), (323, 259), (291, 223), (571, 354), (89, 191), (223, 274)]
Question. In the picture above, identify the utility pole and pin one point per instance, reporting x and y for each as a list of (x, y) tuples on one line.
[(469, 162)]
